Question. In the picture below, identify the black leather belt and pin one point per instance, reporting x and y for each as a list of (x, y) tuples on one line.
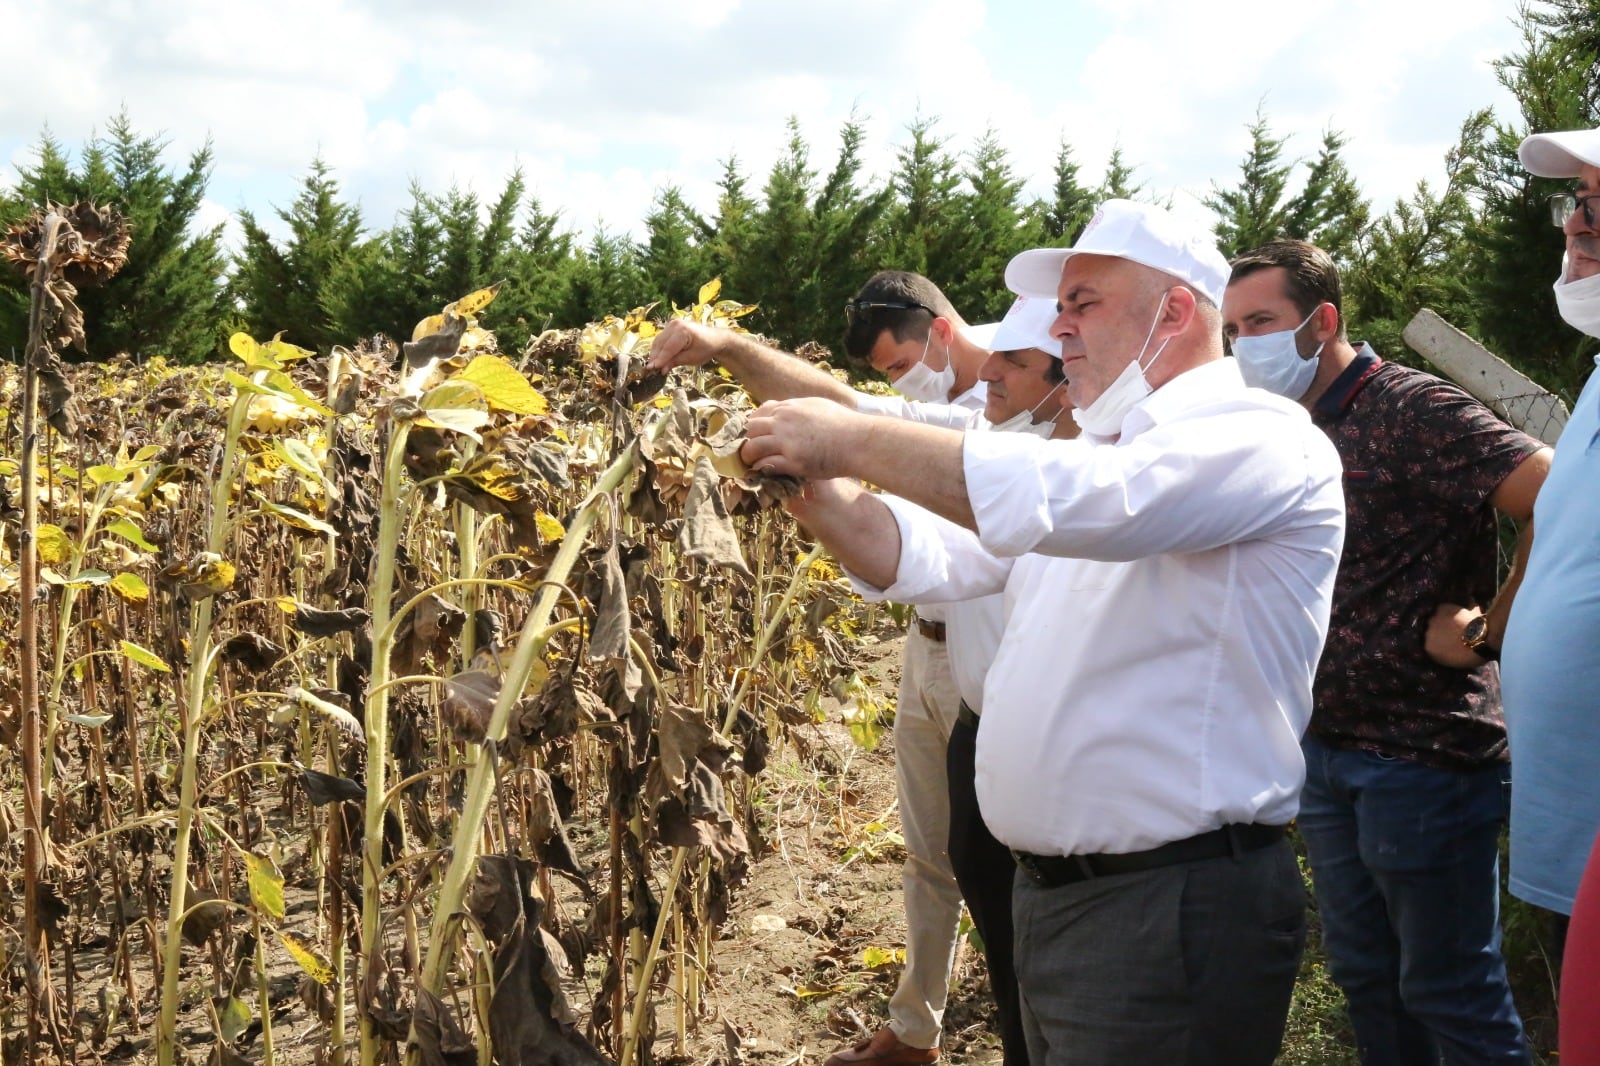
[(1053, 871), (967, 716), (931, 630)]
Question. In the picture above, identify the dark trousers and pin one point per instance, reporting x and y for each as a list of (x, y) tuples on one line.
[(1405, 863), (984, 869), (1185, 965)]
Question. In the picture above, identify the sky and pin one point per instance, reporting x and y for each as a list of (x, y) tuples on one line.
[(604, 102)]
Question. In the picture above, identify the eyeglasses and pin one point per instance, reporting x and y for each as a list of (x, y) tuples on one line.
[(1563, 205), (862, 308)]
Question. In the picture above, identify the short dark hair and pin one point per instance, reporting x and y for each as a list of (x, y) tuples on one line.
[(862, 330), (1311, 278)]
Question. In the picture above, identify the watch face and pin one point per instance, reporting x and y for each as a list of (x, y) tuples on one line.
[(1476, 630)]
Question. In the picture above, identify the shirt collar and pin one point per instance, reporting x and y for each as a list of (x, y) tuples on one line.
[(1220, 377), (1342, 391)]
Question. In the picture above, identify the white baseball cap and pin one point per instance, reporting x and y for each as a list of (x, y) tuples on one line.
[(1026, 325), (1143, 233), (1560, 155)]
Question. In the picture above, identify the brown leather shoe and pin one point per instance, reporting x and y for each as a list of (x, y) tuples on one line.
[(884, 1049)]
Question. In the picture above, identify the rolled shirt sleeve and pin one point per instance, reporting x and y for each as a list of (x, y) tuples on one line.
[(940, 562)]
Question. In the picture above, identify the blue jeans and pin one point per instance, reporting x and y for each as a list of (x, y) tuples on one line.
[(1405, 864)]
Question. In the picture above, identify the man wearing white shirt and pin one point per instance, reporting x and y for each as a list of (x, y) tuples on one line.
[(905, 327), (1167, 578)]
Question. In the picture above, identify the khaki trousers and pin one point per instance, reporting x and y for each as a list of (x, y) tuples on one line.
[(928, 704)]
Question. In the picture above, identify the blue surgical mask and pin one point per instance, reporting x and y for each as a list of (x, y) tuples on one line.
[(1272, 361)]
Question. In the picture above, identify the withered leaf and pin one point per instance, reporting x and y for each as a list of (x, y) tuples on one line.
[(314, 622), (530, 1021), (428, 631), (252, 652), (609, 637), (708, 532), (323, 789), (468, 704), (684, 786), (546, 830), (557, 711), (752, 733), (205, 919), (425, 353), (440, 1038)]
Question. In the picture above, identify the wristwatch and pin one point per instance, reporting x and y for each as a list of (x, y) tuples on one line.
[(1476, 637)]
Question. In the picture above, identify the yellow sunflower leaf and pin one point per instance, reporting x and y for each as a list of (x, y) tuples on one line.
[(144, 656), (474, 302), (130, 587), (550, 527), (266, 886), (54, 544), (504, 386), (309, 958)]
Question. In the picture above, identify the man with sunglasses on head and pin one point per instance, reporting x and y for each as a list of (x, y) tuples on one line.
[(1406, 766), (1551, 655), (903, 326)]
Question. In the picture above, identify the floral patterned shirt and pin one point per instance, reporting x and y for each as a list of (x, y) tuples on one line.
[(1421, 460)]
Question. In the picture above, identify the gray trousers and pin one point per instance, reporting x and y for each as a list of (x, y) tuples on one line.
[(1190, 964)]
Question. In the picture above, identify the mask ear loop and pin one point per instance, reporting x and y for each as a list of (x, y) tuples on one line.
[(1154, 322), (1035, 408), (1320, 344)]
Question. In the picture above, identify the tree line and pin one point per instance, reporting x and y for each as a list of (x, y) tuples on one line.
[(1478, 247)]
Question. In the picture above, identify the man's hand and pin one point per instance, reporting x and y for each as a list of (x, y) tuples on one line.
[(684, 343), (1443, 642), (808, 438)]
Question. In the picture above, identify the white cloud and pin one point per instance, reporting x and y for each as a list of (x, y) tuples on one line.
[(602, 103)]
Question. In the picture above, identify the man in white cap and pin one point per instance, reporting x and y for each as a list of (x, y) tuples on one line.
[(1168, 577), (1550, 662), (1016, 388)]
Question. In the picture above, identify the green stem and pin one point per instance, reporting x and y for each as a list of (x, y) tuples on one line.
[(377, 726), (480, 785), (201, 658)]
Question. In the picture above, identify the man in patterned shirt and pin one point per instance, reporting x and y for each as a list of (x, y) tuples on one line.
[(1406, 763)]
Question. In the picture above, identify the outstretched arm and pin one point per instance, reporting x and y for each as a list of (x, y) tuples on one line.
[(766, 373), (816, 440), (854, 525), (893, 549)]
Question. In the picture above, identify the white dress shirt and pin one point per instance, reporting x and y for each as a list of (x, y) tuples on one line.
[(1166, 599), (964, 412)]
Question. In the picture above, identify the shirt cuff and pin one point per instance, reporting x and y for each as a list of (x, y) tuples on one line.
[(923, 561)]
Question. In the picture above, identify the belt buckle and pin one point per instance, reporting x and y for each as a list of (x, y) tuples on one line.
[(1030, 866)]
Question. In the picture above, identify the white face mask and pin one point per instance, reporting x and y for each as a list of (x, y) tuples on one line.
[(922, 382), (1104, 416), (1271, 361), (1579, 301), (1022, 421)]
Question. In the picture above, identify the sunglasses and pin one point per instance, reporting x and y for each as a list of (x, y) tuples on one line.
[(1563, 205), (862, 308)]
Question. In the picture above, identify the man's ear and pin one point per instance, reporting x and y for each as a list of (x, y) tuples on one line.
[(1182, 307), (944, 328), (1325, 323)]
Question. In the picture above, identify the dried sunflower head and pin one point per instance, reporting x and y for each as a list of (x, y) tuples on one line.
[(91, 245)]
